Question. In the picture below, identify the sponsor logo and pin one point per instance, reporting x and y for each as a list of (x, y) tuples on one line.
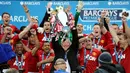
[(5, 2), (118, 3), (20, 18), (30, 3), (60, 3), (102, 41), (120, 56), (92, 14), (91, 3), (90, 58)]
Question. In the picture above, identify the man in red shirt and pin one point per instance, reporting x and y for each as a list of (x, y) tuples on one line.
[(6, 20), (120, 51), (10, 38), (88, 57), (46, 35), (32, 44), (20, 61), (45, 57), (100, 39)]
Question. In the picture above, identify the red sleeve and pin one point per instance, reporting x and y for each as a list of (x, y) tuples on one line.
[(25, 42), (108, 38), (52, 54), (40, 36), (10, 62), (38, 52), (14, 39), (109, 47), (15, 29), (81, 57), (1, 37)]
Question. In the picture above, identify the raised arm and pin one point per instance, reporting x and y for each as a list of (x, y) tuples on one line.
[(7, 30), (113, 33), (21, 34), (126, 27), (47, 14), (37, 44), (79, 8), (27, 12), (75, 41)]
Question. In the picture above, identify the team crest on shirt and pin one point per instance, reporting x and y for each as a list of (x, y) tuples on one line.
[(11, 41), (24, 57), (94, 54), (102, 41)]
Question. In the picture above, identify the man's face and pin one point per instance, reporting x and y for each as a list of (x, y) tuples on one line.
[(96, 30), (32, 39), (122, 41), (116, 28), (79, 28), (88, 43), (8, 31), (46, 47), (66, 44), (6, 19), (47, 27), (19, 48)]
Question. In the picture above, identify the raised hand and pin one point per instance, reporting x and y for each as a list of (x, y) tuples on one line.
[(49, 4), (25, 8), (124, 16), (107, 19), (39, 64), (68, 8), (104, 13), (80, 6)]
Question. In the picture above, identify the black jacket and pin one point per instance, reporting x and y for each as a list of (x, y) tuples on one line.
[(110, 68), (72, 52)]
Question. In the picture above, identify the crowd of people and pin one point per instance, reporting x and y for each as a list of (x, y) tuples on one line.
[(48, 47)]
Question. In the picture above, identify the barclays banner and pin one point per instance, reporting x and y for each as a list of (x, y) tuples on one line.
[(88, 17)]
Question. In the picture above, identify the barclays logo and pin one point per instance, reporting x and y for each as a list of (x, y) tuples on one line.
[(92, 14), (5, 2), (30, 3)]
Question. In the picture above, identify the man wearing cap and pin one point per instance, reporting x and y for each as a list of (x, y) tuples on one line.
[(106, 65), (120, 49)]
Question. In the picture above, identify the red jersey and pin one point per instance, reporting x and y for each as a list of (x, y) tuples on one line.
[(42, 56), (91, 59), (44, 37), (104, 40), (14, 63), (14, 29), (125, 56), (32, 61)]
